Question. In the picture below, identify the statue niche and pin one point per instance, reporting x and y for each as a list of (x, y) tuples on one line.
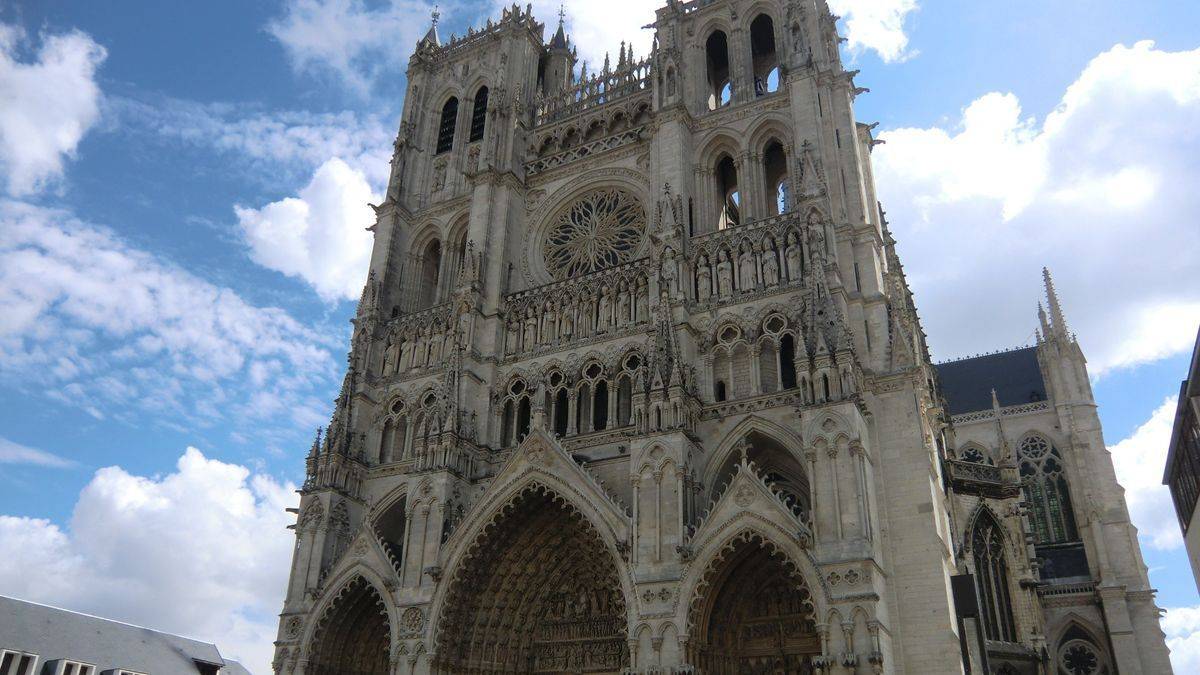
[(540, 594), (757, 617)]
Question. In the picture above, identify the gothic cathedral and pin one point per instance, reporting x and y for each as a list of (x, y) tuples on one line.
[(637, 385)]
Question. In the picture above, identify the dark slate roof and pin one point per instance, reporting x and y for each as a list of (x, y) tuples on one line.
[(1015, 375), (54, 634)]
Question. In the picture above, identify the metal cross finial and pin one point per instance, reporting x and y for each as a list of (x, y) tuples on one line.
[(562, 12), (435, 15)]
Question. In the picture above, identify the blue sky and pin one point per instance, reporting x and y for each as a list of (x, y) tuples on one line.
[(182, 197)]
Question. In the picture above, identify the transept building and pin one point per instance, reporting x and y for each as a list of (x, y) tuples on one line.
[(637, 385)]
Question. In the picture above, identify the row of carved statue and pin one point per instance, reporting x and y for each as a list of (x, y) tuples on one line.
[(576, 314)]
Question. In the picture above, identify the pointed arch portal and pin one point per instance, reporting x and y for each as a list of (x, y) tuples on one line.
[(539, 594), (354, 637), (756, 615)]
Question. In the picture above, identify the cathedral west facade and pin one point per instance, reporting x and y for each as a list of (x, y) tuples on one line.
[(637, 385)]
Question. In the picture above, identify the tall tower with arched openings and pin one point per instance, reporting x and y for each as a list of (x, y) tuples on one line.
[(637, 385)]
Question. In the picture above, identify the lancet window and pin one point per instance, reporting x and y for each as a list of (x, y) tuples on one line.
[(393, 439), (716, 52), (431, 273), (1044, 479), (991, 579), (763, 55), (446, 126), (776, 173), (729, 213), (515, 414), (479, 115)]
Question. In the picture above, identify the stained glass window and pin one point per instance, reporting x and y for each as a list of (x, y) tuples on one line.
[(1044, 479)]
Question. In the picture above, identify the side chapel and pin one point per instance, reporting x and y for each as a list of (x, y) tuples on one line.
[(637, 385)]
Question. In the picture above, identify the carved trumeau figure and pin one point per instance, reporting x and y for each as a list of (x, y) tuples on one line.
[(614, 403)]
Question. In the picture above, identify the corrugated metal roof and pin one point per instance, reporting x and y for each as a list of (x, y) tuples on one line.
[(1015, 375)]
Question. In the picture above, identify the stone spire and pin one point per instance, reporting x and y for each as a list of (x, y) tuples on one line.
[(431, 38), (559, 41), (1058, 324)]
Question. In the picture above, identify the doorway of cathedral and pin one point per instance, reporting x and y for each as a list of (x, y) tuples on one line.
[(755, 618), (539, 594), (354, 638)]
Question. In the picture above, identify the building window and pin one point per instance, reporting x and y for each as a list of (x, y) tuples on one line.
[(17, 663), (1044, 479), (720, 89), (1184, 471), (75, 668), (479, 115), (776, 173), (991, 579), (763, 55), (445, 138), (729, 193)]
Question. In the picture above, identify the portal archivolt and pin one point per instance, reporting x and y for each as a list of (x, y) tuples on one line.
[(539, 594), (755, 616), (353, 638)]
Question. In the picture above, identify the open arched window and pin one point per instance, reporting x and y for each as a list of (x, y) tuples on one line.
[(991, 579), (716, 52), (763, 55), (776, 173), (431, 269), (479, 115), (729, 193), (445, 137), (1044, 479)]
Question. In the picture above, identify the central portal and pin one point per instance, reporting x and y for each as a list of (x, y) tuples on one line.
[(757, 617), (540, 594)]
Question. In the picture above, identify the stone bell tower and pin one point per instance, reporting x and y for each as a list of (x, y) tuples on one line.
[(637, 384)]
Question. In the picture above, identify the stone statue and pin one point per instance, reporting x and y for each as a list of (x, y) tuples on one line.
[(387, 358), (724, 275), (510, 342), (642, 301), (668, 278), (795, 266), (703, 279), (747, 279), (567, 322), (770, 265), (586, 309), (530, 330), (603, 317), (622, 305)]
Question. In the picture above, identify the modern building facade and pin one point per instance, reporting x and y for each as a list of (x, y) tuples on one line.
[(1183, 461), (40, 640), (637, 385)]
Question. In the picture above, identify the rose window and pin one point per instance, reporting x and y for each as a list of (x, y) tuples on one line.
[(602, 229), (1079, 659)]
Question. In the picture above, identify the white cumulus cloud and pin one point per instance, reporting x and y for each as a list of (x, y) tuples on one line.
[(320, 235), (350, 39), (202, 552), (876, 25), (1139, 461), (1100, 190), (1182, 626), (49, 103)]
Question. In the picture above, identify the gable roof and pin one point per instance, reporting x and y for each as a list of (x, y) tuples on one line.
[(1015, 375), (54, 633)]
